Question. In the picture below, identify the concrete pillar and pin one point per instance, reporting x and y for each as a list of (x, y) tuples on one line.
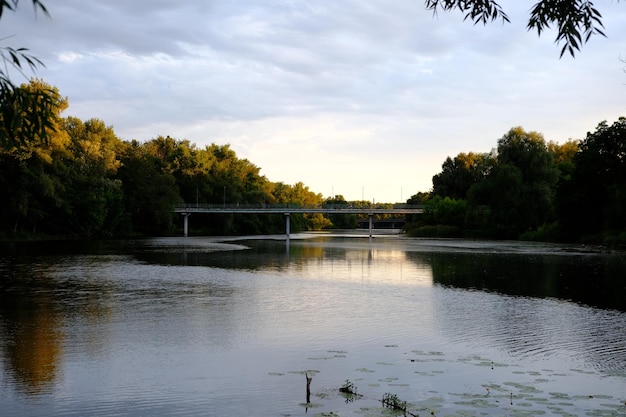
[(287, 224), (186, 223), (371, 218)]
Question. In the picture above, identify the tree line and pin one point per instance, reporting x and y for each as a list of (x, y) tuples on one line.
[(76, 178), (527, 188)]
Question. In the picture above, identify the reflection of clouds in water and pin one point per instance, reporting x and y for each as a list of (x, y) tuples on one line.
[(361, 263)]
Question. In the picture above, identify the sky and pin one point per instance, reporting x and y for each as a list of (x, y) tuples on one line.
[(360, 98)]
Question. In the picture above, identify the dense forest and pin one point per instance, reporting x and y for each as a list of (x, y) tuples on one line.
[(75, 178), (527, 188), (72, 178)]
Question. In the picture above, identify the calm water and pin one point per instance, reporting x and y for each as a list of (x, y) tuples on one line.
[(203, 327)]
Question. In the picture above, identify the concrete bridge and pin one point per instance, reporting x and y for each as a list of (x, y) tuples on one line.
[(187, 210)]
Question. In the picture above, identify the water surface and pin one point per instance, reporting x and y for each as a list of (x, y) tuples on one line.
[(209, 326)]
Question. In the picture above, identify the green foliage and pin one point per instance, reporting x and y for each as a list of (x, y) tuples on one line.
[(393, 402), (460, 173), (443, 217), (348, 388), (150, 193), (531, 190), (592, 200), (516, 184), (78, 179), (446, 211), (340, 221), (25, 115), (29, 117), (520, 187)]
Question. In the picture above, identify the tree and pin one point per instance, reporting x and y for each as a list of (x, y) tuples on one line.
[(32, 186), (35, 108), (576, 20), (593, 203), (150, 194), (340, 221), (459, 174), (520, 190), (94, 196)]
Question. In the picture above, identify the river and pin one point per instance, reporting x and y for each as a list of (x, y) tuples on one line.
[(206, 326)]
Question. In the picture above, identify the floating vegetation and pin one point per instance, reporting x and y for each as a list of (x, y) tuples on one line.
[(325, 358), (470, 386), (431, 353), (307, 372), (338, 353), (522, 387)]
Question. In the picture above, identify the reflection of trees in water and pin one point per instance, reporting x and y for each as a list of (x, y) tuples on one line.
[(534, 328), (528, 325), (50, 307), (594, 280), (31, 329)]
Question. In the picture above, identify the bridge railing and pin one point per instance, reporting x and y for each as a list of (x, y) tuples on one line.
[(296, 206)]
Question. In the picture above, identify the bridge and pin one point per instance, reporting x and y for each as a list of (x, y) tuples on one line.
[(187, 210)]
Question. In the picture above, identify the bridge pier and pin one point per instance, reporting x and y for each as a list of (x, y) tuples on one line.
[(371, 221), (186, 223), (287, 224)]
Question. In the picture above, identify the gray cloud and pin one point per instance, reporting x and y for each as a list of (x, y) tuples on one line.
[(325, 80)]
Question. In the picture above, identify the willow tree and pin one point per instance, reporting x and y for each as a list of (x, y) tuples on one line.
[(28, 177), (25, 113), (575, 20)]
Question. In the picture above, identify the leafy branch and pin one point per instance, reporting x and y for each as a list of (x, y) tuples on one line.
[(575, 20), (24, 114)]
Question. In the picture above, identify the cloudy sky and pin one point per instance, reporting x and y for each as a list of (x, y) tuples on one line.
[(364, 98)]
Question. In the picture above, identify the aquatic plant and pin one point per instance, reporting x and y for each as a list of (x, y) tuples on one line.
[(392, 401), (348, 388)]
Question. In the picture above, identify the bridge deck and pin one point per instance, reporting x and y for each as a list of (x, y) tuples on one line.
[(287, 209)]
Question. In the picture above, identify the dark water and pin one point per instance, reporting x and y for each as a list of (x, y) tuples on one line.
[(198, 326)]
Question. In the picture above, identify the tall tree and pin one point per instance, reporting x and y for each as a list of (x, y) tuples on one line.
[(593, 203), (94, 196), (520, 189), (150, 193), (33, 188)]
